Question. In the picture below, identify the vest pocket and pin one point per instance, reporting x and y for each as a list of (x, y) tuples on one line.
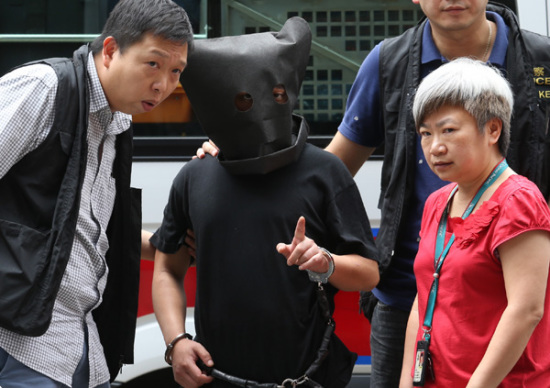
[(22, 252)]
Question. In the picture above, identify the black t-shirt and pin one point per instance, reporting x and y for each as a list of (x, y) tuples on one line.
[(258, 317)]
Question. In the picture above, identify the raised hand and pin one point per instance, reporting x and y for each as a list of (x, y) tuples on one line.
[(303, 251)]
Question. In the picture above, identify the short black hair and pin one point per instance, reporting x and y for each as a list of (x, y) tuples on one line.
[(130, 20)]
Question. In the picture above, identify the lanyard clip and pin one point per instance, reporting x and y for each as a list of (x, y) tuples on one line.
[(426, 336)]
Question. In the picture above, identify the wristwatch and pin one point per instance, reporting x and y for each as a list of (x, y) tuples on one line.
[(322, 277)]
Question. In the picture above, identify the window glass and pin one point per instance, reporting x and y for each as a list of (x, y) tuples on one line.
[(343, 34), (37, 29)]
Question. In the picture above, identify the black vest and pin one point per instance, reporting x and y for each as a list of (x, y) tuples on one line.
[(528, 54), (40, 198)]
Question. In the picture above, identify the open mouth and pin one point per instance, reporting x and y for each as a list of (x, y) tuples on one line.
[(147, 105)]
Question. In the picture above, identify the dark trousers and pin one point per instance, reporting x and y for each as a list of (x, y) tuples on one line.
[(387, 340), (14, 374)]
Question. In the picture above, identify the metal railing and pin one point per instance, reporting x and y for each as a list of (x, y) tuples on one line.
[(56, 38), (316, 47)]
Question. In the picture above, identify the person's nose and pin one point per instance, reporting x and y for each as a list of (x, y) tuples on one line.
[(437, 146), (160, 85), (165, 85)]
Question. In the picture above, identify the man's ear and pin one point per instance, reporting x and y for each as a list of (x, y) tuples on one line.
[(110, 47)]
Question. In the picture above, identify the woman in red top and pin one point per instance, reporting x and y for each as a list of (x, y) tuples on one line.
[(480, 318)]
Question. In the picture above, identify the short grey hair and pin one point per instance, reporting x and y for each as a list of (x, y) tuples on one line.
[(472, 85)]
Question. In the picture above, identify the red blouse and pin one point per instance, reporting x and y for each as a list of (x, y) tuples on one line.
[(472, 296)]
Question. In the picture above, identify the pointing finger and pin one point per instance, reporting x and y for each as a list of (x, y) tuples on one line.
[(300, 232)]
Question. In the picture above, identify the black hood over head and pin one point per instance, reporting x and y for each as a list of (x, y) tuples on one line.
[(243, 90)]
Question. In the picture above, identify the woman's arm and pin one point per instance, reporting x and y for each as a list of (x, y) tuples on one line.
[(525, 261), (408, 354)]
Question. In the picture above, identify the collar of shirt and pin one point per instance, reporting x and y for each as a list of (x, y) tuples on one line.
[(498, 53), (115, 123)]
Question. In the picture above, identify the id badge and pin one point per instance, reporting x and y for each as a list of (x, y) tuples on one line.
[(421, 363)]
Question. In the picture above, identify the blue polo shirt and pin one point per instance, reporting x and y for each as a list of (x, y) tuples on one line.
[(363, 124)]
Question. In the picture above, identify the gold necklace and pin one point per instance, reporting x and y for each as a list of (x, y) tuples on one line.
[(484, 58)]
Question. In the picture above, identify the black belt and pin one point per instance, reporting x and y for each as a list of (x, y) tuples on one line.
[(303, 381)]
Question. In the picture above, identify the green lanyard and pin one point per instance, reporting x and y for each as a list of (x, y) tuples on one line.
[(441, 250)]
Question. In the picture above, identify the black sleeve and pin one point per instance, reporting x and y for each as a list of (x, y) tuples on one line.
[(171, 234)]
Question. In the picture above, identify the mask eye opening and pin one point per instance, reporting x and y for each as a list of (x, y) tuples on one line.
[(244, 101), (279, 94)]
